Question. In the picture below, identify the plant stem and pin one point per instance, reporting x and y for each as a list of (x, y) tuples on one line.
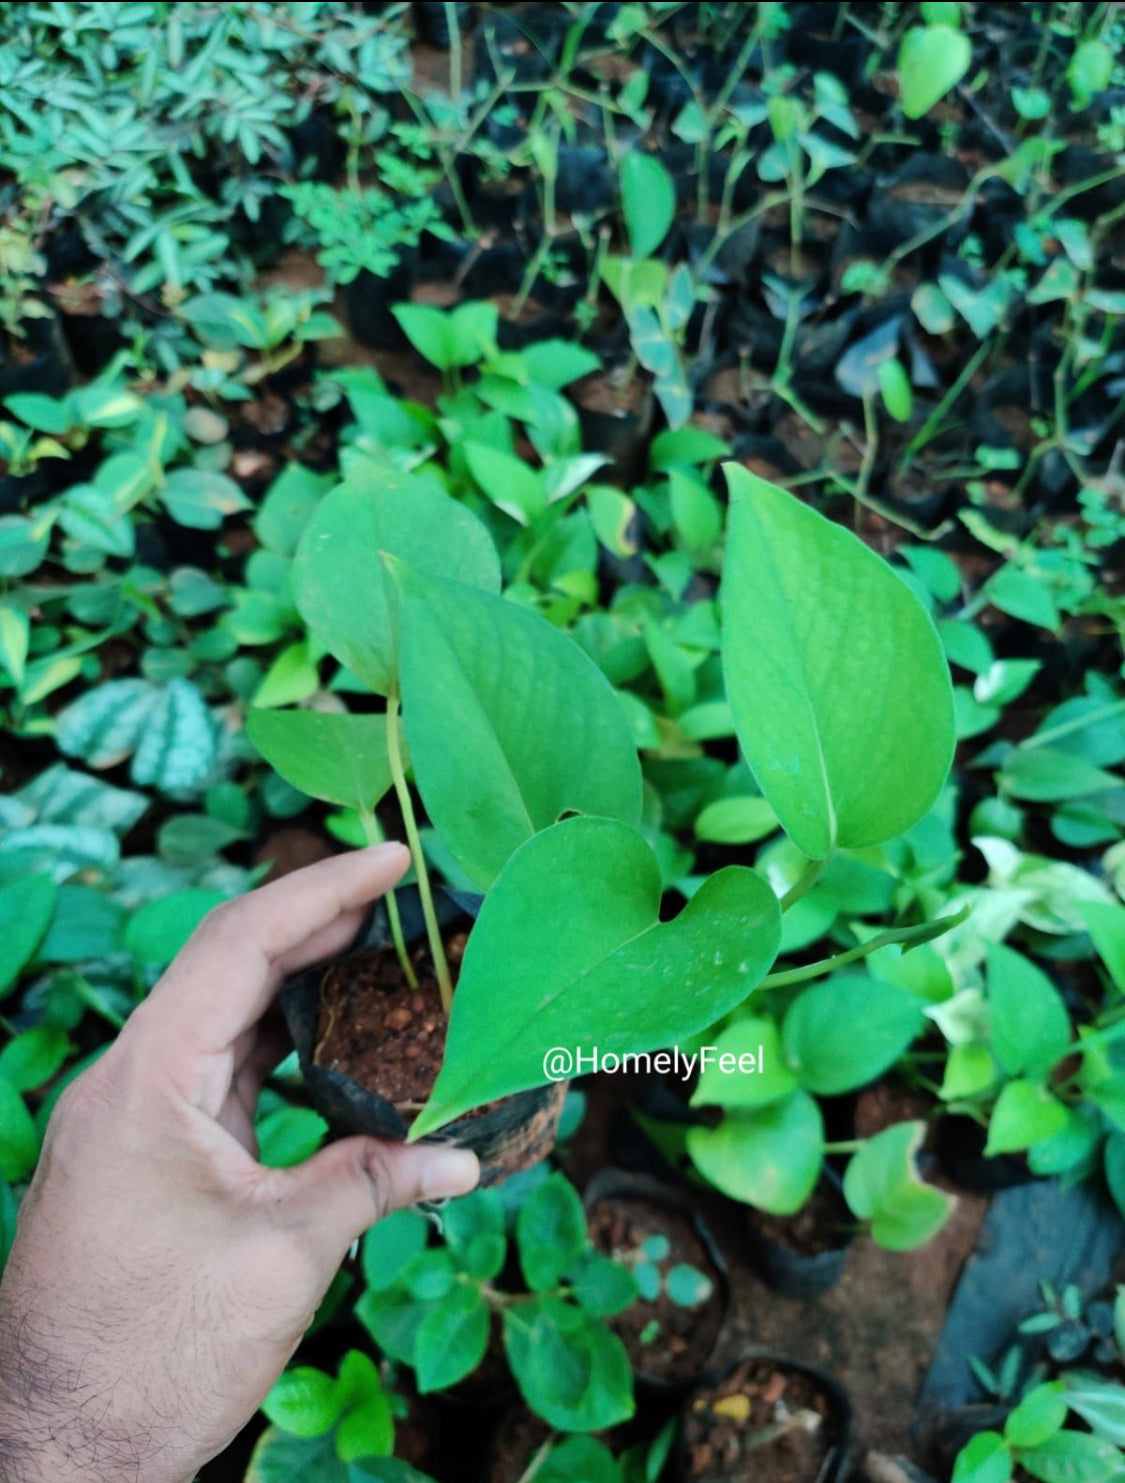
[(812, 873), (847, 1145), (394, 921), (908, 936), (402, 793), (454, 25), (1067, 728)]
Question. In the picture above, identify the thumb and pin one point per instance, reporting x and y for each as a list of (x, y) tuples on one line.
[(350, 1185)]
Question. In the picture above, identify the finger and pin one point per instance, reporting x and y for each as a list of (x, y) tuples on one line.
[(266, 1045), (225, 977), (350, 1185)]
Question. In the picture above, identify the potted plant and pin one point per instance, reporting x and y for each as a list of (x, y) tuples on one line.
[(672, 1327), (521, 754), (766, 1417), (535, 1275)]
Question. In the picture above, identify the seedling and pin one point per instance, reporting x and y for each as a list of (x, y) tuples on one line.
[(431, 1305), (522, 757), (684, 1285)]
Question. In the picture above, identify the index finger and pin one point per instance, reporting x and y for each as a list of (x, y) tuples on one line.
[(228, 972)]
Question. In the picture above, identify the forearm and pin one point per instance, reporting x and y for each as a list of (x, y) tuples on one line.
[(58, 1421)]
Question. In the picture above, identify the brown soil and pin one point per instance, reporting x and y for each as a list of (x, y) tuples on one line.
[(291, 849), (887, 1103), (682, 1339), (824, 1223), (810, 264), (607, 392), (926, 193), (1016, 422), (762, 1422), (812, 449), (379, 1031)]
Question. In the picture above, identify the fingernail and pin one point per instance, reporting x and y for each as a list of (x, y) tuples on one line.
[(449, 1172)]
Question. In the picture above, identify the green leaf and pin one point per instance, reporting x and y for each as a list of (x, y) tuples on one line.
[(304, 1401), (509, 483), (476, 1234), (341, 584), (201, 498), (578, 1460), (159, 929), (969, 1069), (19, 1139), (376, 1469), (648, 195), (46, 414), (289, 1135), (328, 755), (1090, 71), (696, 512), (895, 389), (15, 638), (1072, 1457), (881, 1184), (603, 1287), (736, 821), (448, 338), (25, 910), (687, 1286), (34, 1056), (841, 695), (931, 61), (985, 1459), (1042, 775), (87, 924), (550, 1232), (1038, 1416), (280, 1457), (23, 543), (452, 1339), (292, 677), (493, 687), (576, 914), (570, 1369), (684, 446), (367, 1426), (104, 725), (287, 506), (771, 1079), (1023, 596), (769, 1157), (1025, 1113), (391, 1245), (1029, 1022), (91, 519), (1100, 1403), (179, 742), (820, 1036), (1105, 922)]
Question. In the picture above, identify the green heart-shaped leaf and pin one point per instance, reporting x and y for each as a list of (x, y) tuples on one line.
[(931, 61), (882, 1185), (834, 671), (768, 1156), (329, 755), (569, 951), (340, 582), (510, 724)]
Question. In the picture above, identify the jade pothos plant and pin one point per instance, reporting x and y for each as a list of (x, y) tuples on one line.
[(522, 757)]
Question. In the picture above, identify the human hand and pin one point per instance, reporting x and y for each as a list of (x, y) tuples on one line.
[(161, 1277)]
